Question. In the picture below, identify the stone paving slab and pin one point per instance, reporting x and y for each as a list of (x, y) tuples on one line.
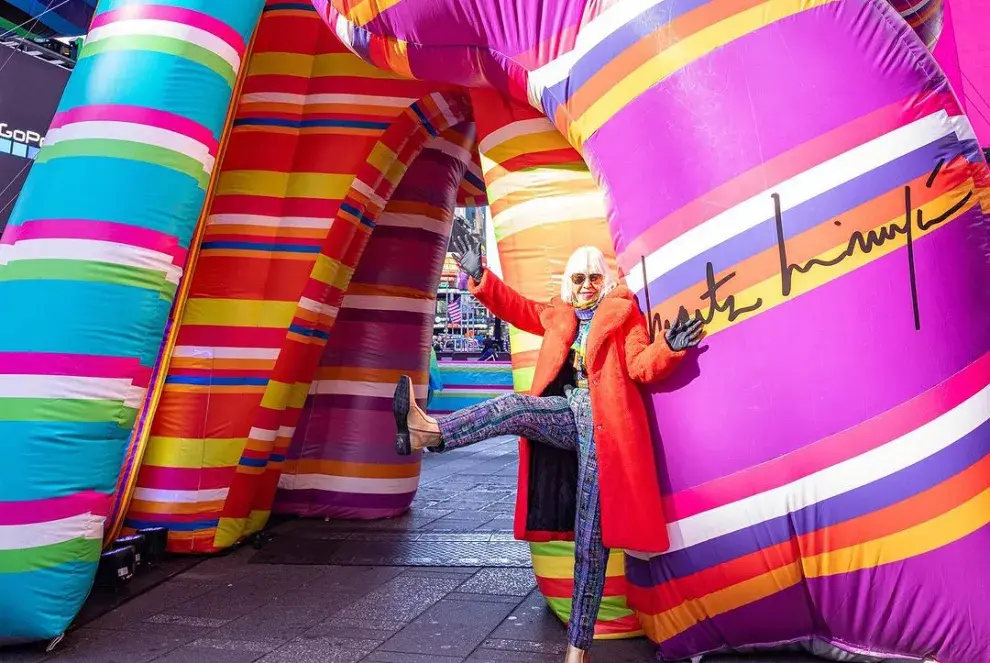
[(428, 587)]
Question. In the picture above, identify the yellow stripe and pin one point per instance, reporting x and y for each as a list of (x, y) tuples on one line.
[(562, 566), (239, 313), (315, 66), (769, 290), (681, 54), (365, 12), (193, 453), (542, 141), (284, 185), (381, 157), (331, 272), (228, 532), (280, 395)]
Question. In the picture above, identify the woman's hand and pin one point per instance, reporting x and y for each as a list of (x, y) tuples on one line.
[(684, 334), (467, 255)]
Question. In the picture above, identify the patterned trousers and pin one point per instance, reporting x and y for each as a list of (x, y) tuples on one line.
[(564, 423)]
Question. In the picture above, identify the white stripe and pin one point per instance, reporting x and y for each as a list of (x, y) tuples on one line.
[(542, 211), (338, 484), (450, 149), (526, 181), (838, 479), (362, 388), (181, 496), (308, 99), (428, 223), (345, 33), (147, 27), (286, 431), (591, 35), (262, 434), (318, 308), (376, 303), (444, 109), (204, 352), (474, 393), (363, 188), (71, 386), (136, 133), (270, 221), (91, 250), (536, 125), (475, 168), (36, 535), (799, 189)]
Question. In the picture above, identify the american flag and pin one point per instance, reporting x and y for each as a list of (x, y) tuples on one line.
[(454, 311)]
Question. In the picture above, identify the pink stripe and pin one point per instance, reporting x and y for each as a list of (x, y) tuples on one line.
[(185, 478), (90, 366), (176, 15), (106, 231), (780, 169), (137, 115), (832, 450), (57, 508)]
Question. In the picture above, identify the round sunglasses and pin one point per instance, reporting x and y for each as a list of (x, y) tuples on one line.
[(594, 279)]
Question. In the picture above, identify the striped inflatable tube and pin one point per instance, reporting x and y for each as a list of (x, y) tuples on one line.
[(309, 115), (131, 161), (467, 383), (544, 205), (342, 461), (798, 173)]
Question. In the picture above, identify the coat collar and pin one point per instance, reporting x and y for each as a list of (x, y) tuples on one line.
[(613, 311)]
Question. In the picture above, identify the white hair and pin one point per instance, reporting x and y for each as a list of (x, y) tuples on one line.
[(586, 260)]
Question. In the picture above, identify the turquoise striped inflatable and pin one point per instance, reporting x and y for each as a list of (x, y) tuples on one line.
[(467, 383)]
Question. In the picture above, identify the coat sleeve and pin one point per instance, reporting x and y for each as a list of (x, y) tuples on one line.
[(648, 362), (508, 304)]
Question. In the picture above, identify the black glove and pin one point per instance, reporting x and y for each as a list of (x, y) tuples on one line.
[(684, 334), (467, 254)]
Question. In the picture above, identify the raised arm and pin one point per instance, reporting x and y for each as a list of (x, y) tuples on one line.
[(508, 304), (648, 362)]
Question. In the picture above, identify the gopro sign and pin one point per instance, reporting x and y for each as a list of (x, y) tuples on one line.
[(25, 136)]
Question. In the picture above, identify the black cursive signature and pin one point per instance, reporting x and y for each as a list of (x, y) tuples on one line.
[(859, 242)]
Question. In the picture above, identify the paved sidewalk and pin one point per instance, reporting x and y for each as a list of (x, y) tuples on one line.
[(410, 609)]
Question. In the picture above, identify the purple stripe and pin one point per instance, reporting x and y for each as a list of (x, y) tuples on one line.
[(388, 320), (495, 25), (705, 139), (870, 498), (925, 606), (757, 623), (362, 344), (348, 434), (776, 380), (327, 502), (820, 209), (653, 20)]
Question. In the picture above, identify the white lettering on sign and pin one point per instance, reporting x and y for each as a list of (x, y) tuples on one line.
[(21, 135)]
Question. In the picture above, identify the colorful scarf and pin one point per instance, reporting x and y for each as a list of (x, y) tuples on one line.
[(580, 345)]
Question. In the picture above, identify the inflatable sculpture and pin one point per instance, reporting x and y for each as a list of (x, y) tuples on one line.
[(801, 174)]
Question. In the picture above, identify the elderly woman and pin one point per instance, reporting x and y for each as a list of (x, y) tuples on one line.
[(582, 425)]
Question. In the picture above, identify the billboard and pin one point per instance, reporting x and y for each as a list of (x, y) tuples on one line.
[(30, 90)]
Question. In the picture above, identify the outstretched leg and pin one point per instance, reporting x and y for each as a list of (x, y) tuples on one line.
[(547, 420), (590, 554)]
